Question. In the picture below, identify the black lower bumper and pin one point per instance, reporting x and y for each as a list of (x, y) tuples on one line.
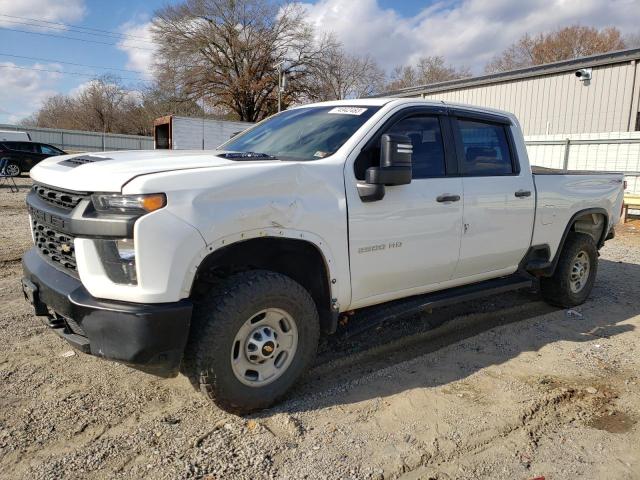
[(149, 337)]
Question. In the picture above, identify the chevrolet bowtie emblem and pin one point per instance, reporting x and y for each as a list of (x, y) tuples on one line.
[(268, 348), (65, 248)]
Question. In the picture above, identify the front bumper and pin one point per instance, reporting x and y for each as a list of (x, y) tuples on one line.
[(149, 337)]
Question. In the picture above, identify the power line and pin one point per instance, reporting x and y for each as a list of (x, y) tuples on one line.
[(73, 38), (72, 30), (70, 63), (119, 34), (79, 74)]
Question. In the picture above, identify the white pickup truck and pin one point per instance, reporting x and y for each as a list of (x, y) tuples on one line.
[(228, 265)]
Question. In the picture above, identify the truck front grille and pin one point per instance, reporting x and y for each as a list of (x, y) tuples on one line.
[(55, 246), (59, 198)]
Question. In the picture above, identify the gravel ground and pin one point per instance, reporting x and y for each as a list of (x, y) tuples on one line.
[(507, 388)]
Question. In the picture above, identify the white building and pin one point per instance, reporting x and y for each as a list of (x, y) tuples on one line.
[(575, 114)]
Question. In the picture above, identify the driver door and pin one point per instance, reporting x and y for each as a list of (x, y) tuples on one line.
[(409, 241)]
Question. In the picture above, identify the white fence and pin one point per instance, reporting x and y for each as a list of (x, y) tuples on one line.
[(613, 152), (80, 141)]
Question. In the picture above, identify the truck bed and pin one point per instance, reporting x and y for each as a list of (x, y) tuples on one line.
[(560, 194)]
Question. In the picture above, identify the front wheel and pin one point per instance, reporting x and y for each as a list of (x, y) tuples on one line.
[(251, 339), (575, 273)]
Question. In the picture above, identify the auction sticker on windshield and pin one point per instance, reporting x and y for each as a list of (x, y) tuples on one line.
[(348, 110)]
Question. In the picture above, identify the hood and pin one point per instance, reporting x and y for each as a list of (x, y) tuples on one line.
[(110, 171)]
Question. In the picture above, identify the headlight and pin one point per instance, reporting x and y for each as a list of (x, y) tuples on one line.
[(119, 260), (128, 204)]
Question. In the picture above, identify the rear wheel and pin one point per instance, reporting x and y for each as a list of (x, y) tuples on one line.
[(12, 169), (251, 339), (575, 273)]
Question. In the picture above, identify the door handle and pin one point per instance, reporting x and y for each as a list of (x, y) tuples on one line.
[(523, 193), (445, 197)]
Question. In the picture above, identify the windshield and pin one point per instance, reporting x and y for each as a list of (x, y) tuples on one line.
[(302, 133)]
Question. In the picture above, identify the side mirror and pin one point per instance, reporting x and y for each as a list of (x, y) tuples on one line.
[(394, 169)]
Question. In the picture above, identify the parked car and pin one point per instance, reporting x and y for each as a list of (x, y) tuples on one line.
[(23, 156), (229, 264), (14, 136)]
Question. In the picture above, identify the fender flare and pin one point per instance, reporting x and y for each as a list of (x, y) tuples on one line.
[(269, 232), (580, 213)]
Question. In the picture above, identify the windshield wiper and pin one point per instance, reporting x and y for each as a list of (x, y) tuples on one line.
[(248, 155)]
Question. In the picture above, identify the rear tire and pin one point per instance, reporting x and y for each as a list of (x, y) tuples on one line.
[(251, 339), (575, 273), (13, 169)]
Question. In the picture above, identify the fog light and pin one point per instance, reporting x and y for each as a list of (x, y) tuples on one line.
[(119, 260)]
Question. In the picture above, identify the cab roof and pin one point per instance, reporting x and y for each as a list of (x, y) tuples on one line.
[(382, 101)]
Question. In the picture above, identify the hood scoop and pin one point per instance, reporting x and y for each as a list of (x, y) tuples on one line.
[(81, 160)]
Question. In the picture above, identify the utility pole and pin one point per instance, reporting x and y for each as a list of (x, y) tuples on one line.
[(281, 84)]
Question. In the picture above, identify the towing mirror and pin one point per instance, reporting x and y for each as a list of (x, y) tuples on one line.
[(394, 169)]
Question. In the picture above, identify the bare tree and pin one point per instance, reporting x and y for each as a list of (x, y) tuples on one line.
[(428, 70), (227, 51), (98, 106), (337, 76), (57, 111), (566, 43), (105, 105), (101, 102)]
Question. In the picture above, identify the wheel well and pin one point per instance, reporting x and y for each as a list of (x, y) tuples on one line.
[(298, 259), (593, 224)]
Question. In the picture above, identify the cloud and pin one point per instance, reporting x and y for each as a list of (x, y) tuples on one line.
[(48, 10), (139, 48), (23, 91), (468, 33)]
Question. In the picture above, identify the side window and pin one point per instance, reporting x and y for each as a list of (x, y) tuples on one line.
[(486, 149), (24, 147), (47, 150), (428, 157)]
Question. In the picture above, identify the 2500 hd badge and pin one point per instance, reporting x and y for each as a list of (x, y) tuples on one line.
[(377, 248)]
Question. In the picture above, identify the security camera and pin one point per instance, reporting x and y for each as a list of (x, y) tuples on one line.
[(583, 74)]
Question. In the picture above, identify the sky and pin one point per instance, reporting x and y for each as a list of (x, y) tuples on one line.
[(37, 61)]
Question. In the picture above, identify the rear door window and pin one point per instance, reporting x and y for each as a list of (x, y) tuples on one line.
[(486, 149), (22, 146)]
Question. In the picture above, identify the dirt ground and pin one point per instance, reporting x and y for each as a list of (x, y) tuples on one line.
[(506, 388)]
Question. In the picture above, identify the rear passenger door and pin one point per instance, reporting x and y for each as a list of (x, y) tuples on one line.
[(499, 200)]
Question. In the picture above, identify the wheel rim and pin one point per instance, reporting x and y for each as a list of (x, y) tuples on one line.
[(12, 169), (264, 347), (579, 272)]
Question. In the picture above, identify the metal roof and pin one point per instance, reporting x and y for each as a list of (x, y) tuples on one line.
[(620, 56)]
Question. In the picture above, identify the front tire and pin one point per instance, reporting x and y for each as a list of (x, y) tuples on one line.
[(575, 274), (251, 339)]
